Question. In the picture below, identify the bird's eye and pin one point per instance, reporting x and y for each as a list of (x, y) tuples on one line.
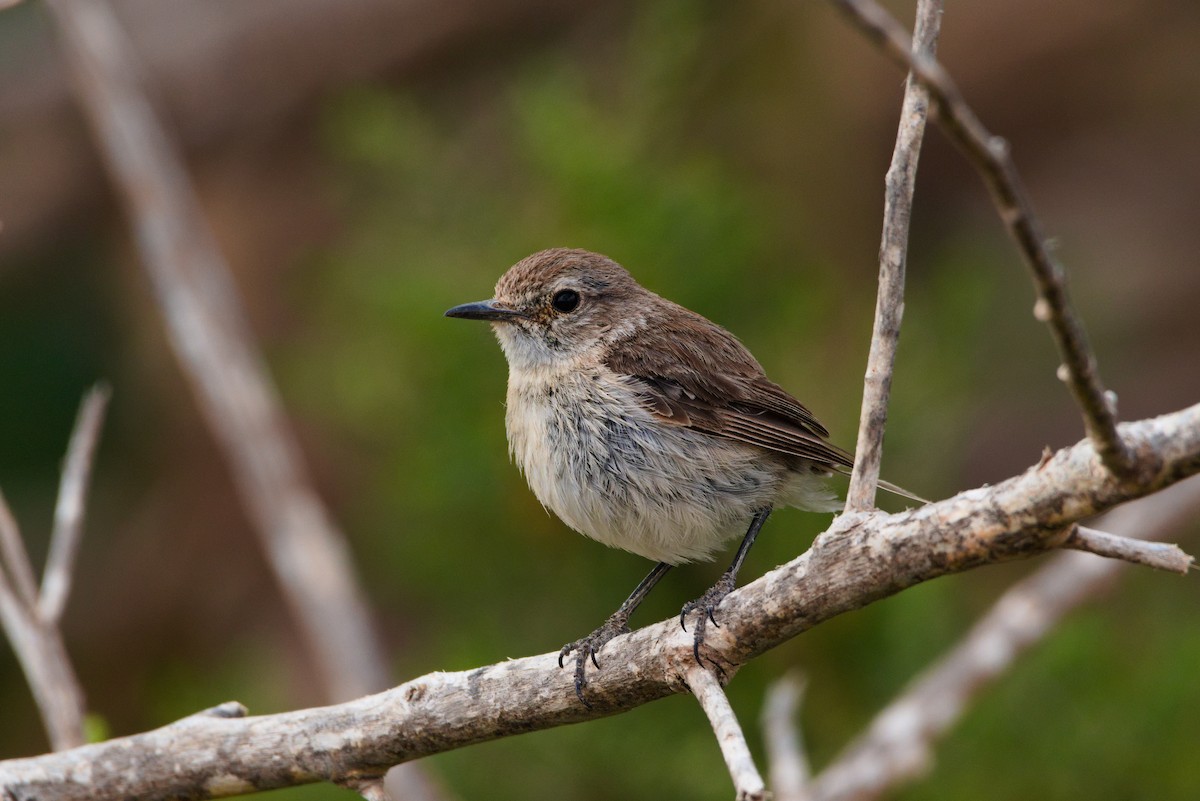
[(565, 300)]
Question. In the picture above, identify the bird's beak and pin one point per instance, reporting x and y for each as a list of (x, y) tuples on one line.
[(484, 310)]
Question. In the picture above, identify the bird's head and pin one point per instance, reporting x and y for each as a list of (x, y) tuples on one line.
[(558, 306)]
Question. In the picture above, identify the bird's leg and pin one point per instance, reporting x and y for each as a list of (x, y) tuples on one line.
[(707, 603), (617, 623)]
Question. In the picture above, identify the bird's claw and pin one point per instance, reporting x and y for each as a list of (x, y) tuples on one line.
[(707, 605), (587, 647)]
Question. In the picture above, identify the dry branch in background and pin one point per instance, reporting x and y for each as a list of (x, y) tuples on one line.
[(898, 745), (214, 346), (287, 56), (211, 339), (990, 155), (900, 183), (71, 505), (862, 558), (787, 760), (30, 617), (43, 659)]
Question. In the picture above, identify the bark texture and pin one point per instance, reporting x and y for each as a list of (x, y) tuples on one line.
[(862, 558)]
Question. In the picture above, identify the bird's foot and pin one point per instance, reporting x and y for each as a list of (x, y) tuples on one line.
[(587, 648), (706, 605)]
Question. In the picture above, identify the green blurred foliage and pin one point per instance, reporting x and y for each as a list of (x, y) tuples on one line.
[(627, 152), (54, 336)]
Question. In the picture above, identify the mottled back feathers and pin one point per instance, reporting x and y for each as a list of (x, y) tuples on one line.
[(697, 374)]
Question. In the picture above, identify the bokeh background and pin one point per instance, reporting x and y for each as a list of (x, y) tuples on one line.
[(366, 165)]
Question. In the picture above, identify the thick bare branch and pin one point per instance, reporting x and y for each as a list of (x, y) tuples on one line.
[(72, 502), (747, 781), (990, 155), (899, 743), (900, 183), (862, 558), (213, 343)]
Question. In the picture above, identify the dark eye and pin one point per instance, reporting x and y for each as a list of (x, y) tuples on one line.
[(565, 300)]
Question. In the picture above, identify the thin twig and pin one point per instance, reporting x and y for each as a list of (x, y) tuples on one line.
[(747, 782), (212, 340), (899, 743), (13, 558), (893, 249), (1160, 555), (71, 505), (787, 760), (990, 155)]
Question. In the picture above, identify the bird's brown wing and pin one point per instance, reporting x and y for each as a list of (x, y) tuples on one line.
[(692, 373)]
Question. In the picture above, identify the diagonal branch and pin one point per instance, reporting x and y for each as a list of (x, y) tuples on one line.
[(861, 559), (747, 782), (990, 155), (899, 743), (29, 622), (1159, 555), (71, 505), (44, 662), (15, 569), (212, 341), (900, 184)]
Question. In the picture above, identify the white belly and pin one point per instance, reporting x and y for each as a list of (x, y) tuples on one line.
[(599, 461)]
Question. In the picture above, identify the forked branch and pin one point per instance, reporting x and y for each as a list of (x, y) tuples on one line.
[(899, 743), (30, 616), (990, 155)]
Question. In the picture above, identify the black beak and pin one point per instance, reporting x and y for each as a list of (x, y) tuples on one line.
[(484, 310)]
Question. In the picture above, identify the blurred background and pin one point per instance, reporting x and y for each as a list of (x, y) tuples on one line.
[(366, 165)]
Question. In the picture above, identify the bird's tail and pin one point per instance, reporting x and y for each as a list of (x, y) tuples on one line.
[(888, 486)]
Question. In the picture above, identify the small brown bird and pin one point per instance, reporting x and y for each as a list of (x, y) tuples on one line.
[(645, 426)]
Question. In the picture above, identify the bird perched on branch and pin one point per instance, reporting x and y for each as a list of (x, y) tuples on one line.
[(645, 426)]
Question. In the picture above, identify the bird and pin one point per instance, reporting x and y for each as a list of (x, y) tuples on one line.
[(645, 426)]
